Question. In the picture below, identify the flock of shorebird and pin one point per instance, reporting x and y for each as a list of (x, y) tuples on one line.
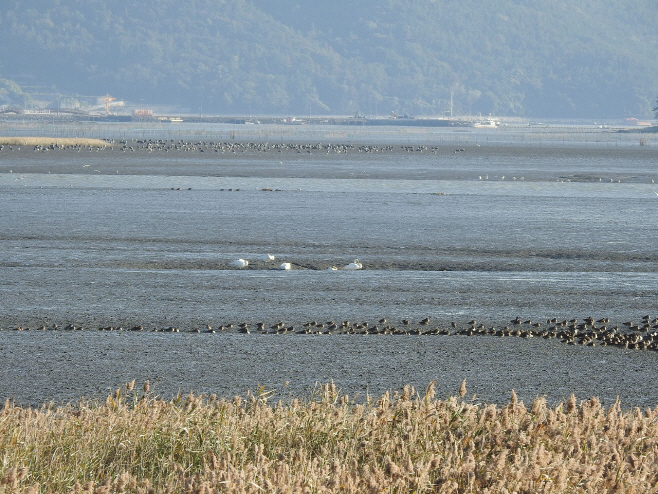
[(287, 266), (151, 145), (589, 332), (181, 145)]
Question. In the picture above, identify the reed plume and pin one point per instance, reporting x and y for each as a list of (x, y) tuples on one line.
[(135, 442)]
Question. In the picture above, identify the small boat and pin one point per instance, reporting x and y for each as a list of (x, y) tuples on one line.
[(489, 123)]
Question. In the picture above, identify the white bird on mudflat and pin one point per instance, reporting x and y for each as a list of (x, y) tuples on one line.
[(239, 263), (285, 266), (332, 268), (354, 265), (267, 257)]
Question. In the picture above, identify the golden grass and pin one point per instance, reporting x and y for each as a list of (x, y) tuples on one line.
[(55, 141), (405, 442)]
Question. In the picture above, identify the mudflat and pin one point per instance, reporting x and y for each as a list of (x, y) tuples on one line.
[(142, 233)]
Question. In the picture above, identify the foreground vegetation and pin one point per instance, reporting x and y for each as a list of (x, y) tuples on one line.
[(404, 442)]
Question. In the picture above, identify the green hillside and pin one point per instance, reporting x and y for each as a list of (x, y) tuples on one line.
[(584, 58)]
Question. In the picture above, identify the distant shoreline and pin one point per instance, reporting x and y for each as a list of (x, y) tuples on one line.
[(456, 122)]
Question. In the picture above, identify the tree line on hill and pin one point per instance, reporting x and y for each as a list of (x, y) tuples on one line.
[(428, 57)]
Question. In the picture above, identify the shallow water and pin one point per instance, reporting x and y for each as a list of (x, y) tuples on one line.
[(490, 233)]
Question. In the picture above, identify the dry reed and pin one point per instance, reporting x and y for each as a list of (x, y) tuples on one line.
[(403, 442), (54, 141)]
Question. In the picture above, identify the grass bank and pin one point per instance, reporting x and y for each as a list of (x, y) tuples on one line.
[(52, 141), (402, 442)]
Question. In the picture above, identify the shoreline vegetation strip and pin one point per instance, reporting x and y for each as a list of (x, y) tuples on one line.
[(55, 141), (401, 442)]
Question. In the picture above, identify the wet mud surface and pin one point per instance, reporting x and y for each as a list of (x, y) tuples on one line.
[(144, 234), (40, 367)]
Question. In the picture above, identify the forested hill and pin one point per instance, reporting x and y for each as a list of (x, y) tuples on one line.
[(548, 58)]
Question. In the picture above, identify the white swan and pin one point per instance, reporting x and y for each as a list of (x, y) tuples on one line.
[(285, 266), (239, 263), (354, 265), (267, 257), (332, 268)]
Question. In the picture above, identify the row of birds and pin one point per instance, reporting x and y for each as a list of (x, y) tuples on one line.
[(286, 266), (588, 332), (151, 145), (240, 147)]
